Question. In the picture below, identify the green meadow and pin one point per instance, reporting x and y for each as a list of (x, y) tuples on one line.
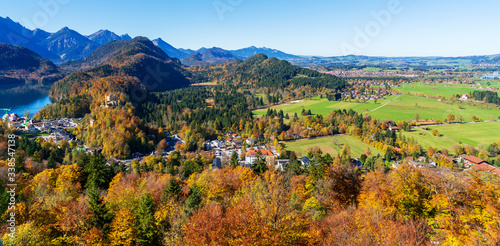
[(324, 107), (426, 139), (472, 134), (492, 82), (438, 89), (405, 108), (331, 145), (402, 108)]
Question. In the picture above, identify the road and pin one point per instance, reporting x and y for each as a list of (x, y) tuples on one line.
[(402, 93)]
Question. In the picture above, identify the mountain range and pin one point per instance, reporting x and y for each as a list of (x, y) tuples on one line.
[(69, 45), (103, 37), (251, 51), (63, 45), (171, 50), (205, 57)]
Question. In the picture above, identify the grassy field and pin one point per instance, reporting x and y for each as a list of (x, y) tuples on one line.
[(405, 108), (402, 108), (472, 134), (439, 89), (493, 82), (327, 145), (426, 139), (324, 107), (371, 69)]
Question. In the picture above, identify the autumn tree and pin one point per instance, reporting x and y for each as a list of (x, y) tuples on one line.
[(450, 117), (162, 145), (345, 152), (368, 151), (457, 149), (431, 152), (123, 230), (483, 155)]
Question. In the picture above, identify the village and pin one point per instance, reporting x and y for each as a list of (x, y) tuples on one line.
[(246, 149), (224, 149), (48, 129)]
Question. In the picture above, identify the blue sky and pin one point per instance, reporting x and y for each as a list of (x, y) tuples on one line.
[(314, 27)]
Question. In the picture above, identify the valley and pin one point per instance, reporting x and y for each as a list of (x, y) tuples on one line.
[(132, 141)]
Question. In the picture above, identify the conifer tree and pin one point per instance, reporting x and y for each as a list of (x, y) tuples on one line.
[(259, 166), (146, 231), (234, 159), (97, 208), (173, 190), (51, 162)]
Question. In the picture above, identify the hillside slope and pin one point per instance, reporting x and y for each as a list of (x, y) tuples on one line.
[(138, 58), (262, 71), (19, 65)]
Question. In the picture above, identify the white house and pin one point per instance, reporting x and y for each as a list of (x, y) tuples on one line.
[(11, 117), (217, 144), (305, 161), (251, 155), (250, 141), (30, 128), (464, 97), (280, 164)]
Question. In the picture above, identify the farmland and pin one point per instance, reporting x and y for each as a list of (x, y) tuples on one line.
[(426, 139), (438, 89), (324, 107), (472, 134), (402, 108), (329, 145)]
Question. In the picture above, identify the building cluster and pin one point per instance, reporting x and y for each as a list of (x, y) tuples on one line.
[(233, 143), (481, 87), (464, 161), (363, 73), (495, 75), (370, 89), (50, 129)]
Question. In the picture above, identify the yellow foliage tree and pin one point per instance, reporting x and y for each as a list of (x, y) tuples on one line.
[(123, 228)]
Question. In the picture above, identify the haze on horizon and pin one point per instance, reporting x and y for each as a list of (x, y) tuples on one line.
[(321, 27)]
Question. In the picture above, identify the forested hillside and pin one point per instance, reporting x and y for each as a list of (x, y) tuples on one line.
[(261, 71), (139, 58), (21, 66)]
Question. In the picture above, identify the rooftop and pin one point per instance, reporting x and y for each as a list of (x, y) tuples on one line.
[(264, 152), (474, 159)]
